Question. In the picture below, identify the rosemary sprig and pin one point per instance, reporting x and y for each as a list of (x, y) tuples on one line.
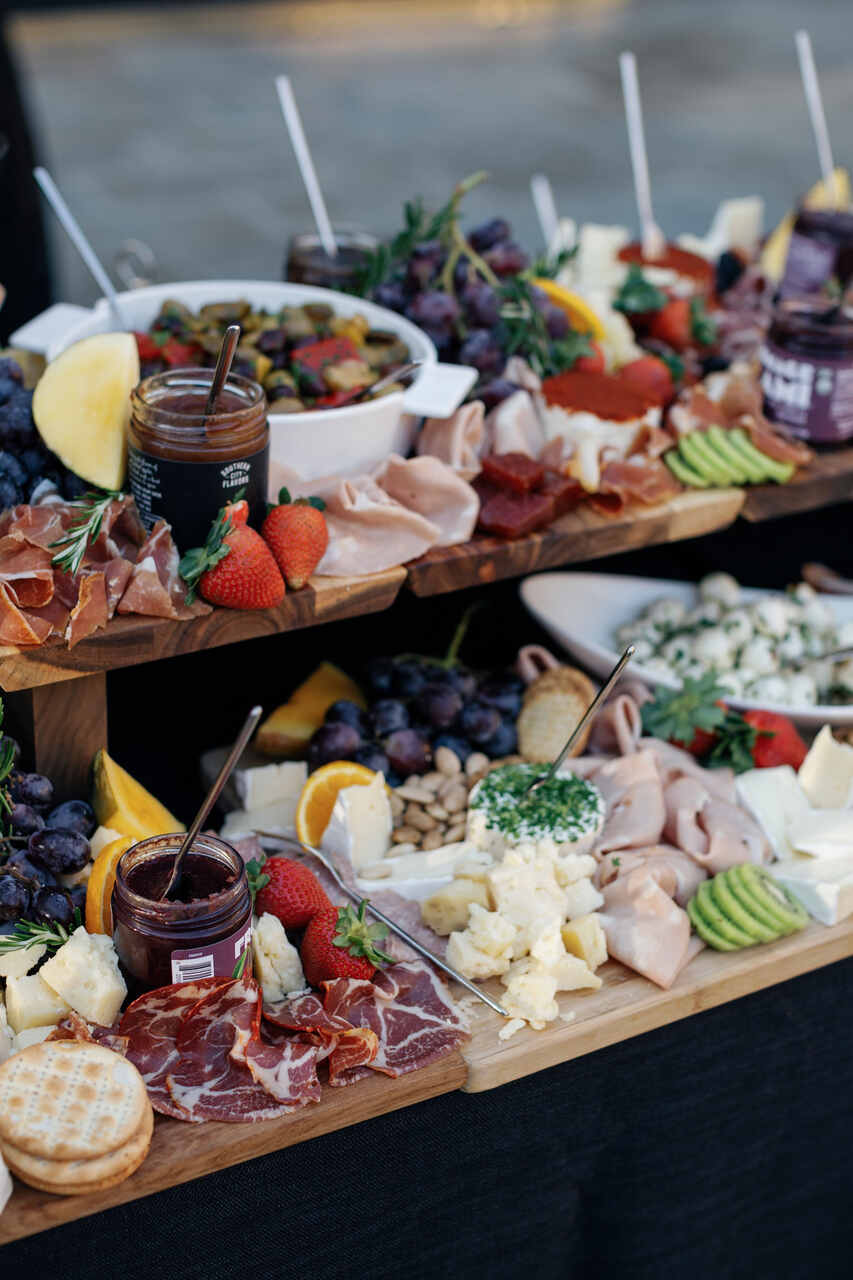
[(84, 529), (523, 331), (27, 933), (7, 760)]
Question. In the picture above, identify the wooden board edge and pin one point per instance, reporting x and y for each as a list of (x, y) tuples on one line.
[(31, 1212), (736, 975)]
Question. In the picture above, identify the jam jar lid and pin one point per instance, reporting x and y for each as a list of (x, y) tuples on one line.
[(813, 326)]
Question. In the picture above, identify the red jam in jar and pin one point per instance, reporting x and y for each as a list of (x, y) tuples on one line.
[(184, 464), (201, 931), (807, 370)]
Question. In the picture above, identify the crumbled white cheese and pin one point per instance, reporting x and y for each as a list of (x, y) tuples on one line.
[(276, 961), (85, 973), (14, 964), (30, 1002)]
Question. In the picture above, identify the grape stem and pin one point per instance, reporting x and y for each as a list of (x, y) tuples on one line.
[(452, 655)]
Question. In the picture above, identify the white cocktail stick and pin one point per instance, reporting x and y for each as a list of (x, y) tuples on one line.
[(546, 209), (75, 234), (814, 102), (293, 120), (651, 236)]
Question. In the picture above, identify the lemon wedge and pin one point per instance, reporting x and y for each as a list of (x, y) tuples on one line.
[(580, 313)]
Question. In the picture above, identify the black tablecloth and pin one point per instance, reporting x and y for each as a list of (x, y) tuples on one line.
[(720, 1146)]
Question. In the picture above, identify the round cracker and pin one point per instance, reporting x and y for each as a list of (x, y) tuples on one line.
[(70, 1100), (59, 1175)]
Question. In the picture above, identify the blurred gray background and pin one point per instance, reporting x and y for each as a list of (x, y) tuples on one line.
[(162, 123)]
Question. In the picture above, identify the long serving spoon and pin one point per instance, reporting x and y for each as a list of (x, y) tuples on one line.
[(584, 720), (223, 367), (210, 799), (366, 393), (386, 920)]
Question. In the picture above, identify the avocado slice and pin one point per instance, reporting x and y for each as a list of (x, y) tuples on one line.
[(705, 932), (781, 472), (735, 473), (703, 461), (752, 904), (683, 472), (712, 915), (761, 888), (734, 910), (722, 446)]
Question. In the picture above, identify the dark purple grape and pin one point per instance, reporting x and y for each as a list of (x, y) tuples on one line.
[(480, 304), (495, 392), (24, 820), (373, 757), (10, 494), (60, 851), (504, 692), (33, 460), (391, 295), (14, 897), (408, 752), (506, 258), (729, 269), (460, 747), (504, 742), (409, 678), (388, 715), (53, 906), (439, 704), (479, 722), (11, 370), (443, 339), (434, 310), (333, 742), (78, 899), (463, 680), (73, 815), (489, 233), (345, 712), (482, 350), (379, 674), (71, 485), (7, 389), (556, 321), (11, 467), (30, 788), (20, 861), (424, 261), (462, 273)]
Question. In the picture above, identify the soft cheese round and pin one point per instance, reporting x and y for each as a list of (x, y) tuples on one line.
[(562, 816), (70, 1100)]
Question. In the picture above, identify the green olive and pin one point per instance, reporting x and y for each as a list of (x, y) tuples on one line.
[(224, 312)]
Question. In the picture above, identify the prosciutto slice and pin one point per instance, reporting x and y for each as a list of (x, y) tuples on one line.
[(155, 588), (347, 1048), (369, 531), (458, 441), (645, 928), (151, 1024), (91, 611), (647, 481), (27, 572), (432, 489), (18, 627)]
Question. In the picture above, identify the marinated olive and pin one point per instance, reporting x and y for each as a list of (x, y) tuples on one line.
[(224, 313)]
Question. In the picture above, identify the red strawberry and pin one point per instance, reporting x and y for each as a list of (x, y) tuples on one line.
[(339, 943), (651, 375), (146, 346), (235, 567), (777, 741), (297, 534), (592, 363), (672, 324), (292, 892)]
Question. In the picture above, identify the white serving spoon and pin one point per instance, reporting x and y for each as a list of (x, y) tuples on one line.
[(293, 120), (814, 102), (652, 238)]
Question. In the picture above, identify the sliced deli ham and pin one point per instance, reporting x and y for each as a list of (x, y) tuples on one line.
[(432, 489), (457, 441), (645, 928)]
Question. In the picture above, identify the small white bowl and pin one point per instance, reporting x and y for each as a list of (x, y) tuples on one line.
[(342, 441)]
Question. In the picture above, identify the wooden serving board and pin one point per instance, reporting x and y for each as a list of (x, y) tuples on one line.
[(580, 535), (131, 640), (827, 479), (181, 1152), (627, 1004)]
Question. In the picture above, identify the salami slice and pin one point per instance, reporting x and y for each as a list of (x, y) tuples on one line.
[(151, 1024), (73, 1027), (347, 1048)]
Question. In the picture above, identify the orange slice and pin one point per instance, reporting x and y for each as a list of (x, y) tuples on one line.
[(99, 891), (320, 792), (580, 313)]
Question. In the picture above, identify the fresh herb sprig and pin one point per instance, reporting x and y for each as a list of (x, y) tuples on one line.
[(637, 294), (27, 933), (523, 331), (83, 530), (703, 327)]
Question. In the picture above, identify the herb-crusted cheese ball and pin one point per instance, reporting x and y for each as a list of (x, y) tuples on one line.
[(563, 816)]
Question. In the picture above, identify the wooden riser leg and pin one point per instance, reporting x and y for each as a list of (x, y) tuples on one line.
[(60, 727)]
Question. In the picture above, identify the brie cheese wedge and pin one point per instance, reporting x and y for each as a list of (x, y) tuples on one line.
[(826, 774), (822, 833), (824, 886), (361, 824), (279, 818), (775, 799)]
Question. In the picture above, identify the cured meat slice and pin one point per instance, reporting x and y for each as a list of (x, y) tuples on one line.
[(618, 726), (286, 1070), (28, 573), (55, 613), (155, 588), (638, 480), (40, 526), (676, 872), (409, 1008), (513, 426), (334, 1037), (73, 1027), (351, 1056), (151, 1024), (305, 1013), (91, 611), (644, 928), (17, 627)]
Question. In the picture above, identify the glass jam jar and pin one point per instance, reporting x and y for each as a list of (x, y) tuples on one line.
[(308, 263), (184, 465), (807, 370), (201, 933), (820, 250)]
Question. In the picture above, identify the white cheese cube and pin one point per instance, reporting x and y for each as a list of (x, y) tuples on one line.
[(775, 798), (278, 818), (576, 866), (85, 972), (268, 784), (276, 961), (100, 839), (582, 897), (30, 1002), (573, 974), (585, 938), (361, 824), (530, 991), (447, 911), (484, 949), (526, 893), (14, 964), (33, 1035), (826, 774)]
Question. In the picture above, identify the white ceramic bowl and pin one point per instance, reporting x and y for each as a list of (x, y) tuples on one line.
[(341, 441), (583, 610)]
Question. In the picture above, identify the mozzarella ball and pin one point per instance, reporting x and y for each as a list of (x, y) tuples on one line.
[(771, 616), (768, 689), (704, 612), (659, 667), (738, 627), (666, 612), (803, 592), (677, 651), (721, 588), (642, 649), (731, 682), (792, 646), (842, 677), (757, 658), (713, 647), (844, 634), (802, 690), (816, 642), (692, 670)]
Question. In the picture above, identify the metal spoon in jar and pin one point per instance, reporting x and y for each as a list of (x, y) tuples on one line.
[(223, 367), (210, 799), (584, 720), (386, 920), (367, 393)]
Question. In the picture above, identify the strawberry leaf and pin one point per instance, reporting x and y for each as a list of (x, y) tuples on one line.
[(283, 497), (355, 935), (675, 715)]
